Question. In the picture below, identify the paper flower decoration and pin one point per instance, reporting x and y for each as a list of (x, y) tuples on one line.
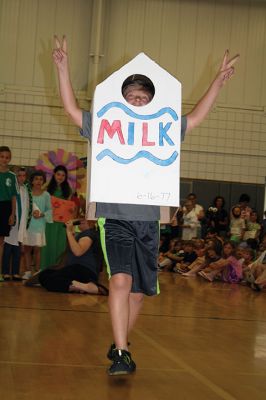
[(76, 171)]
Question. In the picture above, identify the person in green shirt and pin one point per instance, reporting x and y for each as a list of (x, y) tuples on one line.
[(56, 239), (8, 193)]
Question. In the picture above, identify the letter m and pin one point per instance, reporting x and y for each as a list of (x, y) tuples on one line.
[(111, 130)]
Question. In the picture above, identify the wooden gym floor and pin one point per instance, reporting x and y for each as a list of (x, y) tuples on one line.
[(197, 340)]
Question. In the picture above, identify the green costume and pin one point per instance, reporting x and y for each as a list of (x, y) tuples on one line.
[(55, 240), (8, 186)]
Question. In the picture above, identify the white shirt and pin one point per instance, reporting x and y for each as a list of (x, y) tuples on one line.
[(190, 219), (17, 232)]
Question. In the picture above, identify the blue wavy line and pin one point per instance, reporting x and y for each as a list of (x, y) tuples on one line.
[(140, 154), (128, 111)]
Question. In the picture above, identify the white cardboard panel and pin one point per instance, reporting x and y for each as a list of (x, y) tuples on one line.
[(135, 151)]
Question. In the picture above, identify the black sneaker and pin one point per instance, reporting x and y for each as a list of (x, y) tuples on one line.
[(111, 351), (122, 363)]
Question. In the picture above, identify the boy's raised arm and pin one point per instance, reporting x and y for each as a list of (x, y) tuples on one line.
[(66, 91), (203, 107)]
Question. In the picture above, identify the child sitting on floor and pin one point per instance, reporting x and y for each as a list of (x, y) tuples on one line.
[(200, 261), (252, 227), (174, 254), (189, 257), (228, 268), (247, 260)]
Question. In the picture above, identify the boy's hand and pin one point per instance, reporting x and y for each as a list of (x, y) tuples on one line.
[(60, 53), (227, 69)]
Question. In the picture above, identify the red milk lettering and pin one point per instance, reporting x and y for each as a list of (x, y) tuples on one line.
[(145, 141), (111, 130)]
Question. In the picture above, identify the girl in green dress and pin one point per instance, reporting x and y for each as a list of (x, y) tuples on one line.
[(56, 232)]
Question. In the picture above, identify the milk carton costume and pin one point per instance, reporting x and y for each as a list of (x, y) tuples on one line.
[(135, 153)]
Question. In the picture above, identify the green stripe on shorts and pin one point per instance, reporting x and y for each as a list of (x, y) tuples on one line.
[(101, 222)]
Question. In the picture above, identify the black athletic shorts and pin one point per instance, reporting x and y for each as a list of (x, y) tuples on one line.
[(5, 212), (131, 247)]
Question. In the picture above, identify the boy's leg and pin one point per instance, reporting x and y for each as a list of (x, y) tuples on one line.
[(117, 239), (135, 305), (123, 257), (119, 306)]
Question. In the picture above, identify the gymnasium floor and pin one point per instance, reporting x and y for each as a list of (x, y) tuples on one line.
[(197, 340)]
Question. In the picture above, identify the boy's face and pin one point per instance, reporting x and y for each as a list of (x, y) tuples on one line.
[(5, 157), (136, 96), (21, 177), (200, 251)]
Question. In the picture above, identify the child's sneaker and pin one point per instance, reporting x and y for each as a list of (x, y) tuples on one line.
[(27, 275), (32, 280), (122, 363), (111, 352)]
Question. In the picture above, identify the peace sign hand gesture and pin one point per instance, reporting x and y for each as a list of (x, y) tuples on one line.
[(60, 53), (227, 69)]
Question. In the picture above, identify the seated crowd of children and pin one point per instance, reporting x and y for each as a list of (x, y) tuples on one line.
[(236, 254)]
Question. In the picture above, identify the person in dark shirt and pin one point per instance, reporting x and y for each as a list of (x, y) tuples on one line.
[(217, 217), (80, 271), (188, 258)]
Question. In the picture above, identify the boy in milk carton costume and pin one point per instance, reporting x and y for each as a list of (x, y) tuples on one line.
[(130, 232)]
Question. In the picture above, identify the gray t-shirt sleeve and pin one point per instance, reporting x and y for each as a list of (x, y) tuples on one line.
[(183, 127), (86, 125)]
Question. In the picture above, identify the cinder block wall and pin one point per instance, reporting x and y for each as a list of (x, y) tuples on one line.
[(187, 37)]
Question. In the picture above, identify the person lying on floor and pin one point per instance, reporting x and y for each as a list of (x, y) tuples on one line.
[(80, 271)]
